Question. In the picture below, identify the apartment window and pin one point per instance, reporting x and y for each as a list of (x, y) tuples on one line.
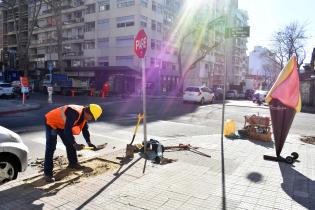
[(51, 21), (104, 5), (90, 9), (153, 25), (144, 3), (158, 44), (152, 61), (158, 63), (89, 62), (76, 63), (152, 44), (175, 52), (159, 8), (103, 43), (125, 3), (90, 27), (89, 44), (173, 67), (103, 24), (124, 41), (41, 50), (125, 21), (103, 61), (143, 21), (159, 27), (164, 63), (124, 60), (153, 6)]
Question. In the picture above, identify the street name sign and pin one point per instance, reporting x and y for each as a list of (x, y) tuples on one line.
[(237, 32)]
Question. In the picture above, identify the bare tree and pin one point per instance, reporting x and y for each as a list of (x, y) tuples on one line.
[(23, 30), (202, 42), (271, 67), (288, 40), (56, 6)]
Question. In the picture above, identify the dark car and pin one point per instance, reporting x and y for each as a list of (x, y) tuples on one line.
[(218, 93), (249, 94)]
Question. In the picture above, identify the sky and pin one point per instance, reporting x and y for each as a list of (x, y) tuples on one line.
[(268, 16)]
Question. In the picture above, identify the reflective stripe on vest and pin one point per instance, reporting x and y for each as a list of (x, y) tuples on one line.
[(56, 118)]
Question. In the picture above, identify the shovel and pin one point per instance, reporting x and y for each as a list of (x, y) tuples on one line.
[(130, 148), (98, 147)]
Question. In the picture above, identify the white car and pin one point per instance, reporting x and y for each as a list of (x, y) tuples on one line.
[(200, 94), (6, 90), (259, 96), (232, 94), (13, 155)]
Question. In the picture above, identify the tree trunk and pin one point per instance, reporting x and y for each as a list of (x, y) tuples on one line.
[(58, 17)]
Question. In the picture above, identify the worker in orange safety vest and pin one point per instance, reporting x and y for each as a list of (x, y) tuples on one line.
[(67, 121)]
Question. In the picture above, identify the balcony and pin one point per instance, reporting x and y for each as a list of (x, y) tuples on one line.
[(73, 55), (73, 21), (74, 38)]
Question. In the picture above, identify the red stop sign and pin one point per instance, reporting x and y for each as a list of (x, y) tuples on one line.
[(140, 44)]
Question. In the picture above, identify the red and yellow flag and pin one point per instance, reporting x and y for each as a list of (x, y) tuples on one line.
[(287, 86)]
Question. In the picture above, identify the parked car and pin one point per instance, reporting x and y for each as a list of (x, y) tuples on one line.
[(218, 93), (200, 94), (249, 94), (232, 94), (241, 95), (259, 96), (13, 155), (6, 90)]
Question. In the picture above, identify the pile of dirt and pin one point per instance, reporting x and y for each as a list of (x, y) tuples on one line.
[(165, 160), (58, 161), (65, 176), (308, 139)]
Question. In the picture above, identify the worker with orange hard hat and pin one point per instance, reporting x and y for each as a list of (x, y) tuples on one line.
[(65, 122)]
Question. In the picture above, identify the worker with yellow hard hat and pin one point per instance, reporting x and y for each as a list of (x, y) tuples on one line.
[(65, 122)]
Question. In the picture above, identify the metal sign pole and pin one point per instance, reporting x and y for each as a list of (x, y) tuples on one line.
[(226, 51), (144, 94)]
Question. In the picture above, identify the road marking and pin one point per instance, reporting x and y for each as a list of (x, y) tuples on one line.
[(105, 136), (181, 123), (42, 140)]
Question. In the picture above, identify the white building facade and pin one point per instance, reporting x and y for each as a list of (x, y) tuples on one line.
[(263, 65)]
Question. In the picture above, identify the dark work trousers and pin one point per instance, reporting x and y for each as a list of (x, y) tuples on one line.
[(51, 142)]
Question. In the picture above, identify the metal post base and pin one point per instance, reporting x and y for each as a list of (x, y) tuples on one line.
[(289, 159)]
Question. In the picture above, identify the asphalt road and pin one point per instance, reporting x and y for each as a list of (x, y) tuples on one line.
[(167, 120)]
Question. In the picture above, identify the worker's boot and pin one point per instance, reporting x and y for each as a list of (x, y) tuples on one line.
[(49, 179), (75, 166)]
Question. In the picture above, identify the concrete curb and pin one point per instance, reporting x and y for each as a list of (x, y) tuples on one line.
[(239, 105), (20, 109)]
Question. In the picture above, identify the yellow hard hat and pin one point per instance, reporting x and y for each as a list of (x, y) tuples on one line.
[(95, 110)]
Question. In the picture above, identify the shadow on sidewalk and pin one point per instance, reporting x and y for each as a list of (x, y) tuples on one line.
[(266, 144), (35, 188), (108, 184), (23, 196), (299, 187)]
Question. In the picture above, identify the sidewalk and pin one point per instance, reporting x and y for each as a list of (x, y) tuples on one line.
[(193, 182), (13, 106)]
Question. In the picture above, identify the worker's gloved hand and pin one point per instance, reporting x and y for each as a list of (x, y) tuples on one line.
[(92, 145), (78, 147)]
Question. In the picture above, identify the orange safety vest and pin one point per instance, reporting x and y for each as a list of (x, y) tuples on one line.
[(56, 118)]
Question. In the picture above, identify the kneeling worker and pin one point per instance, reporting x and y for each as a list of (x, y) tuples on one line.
[(67, 121)]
